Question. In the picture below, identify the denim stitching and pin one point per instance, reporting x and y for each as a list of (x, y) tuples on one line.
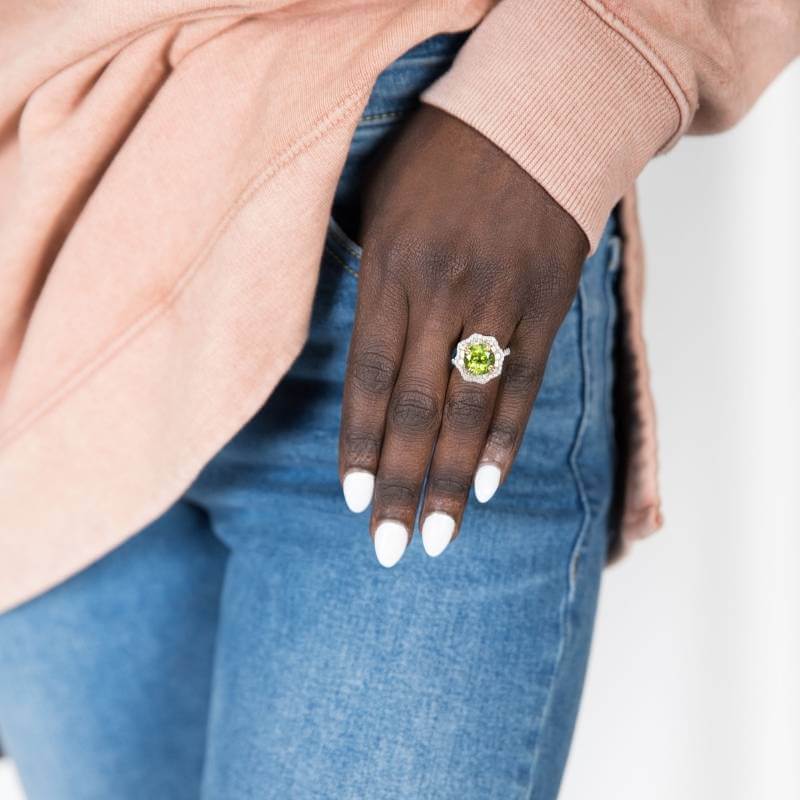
[(339, 260), (612, 270), (573, 458), (384, 115), (335, 230), (430, 58), (566, 600)]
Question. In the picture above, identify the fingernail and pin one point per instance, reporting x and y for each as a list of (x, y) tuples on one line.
[(487, 479), (357, 487), (437, 531), (391, 540)]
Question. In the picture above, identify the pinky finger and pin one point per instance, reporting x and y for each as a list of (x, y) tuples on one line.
[(520, 382)]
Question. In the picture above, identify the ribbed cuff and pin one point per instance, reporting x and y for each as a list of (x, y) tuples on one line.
[(570, 98)]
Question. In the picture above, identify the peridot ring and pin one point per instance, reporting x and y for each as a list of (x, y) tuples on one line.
[(479, 358)]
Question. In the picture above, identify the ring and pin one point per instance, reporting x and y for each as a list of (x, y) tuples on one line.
[(479, 358)]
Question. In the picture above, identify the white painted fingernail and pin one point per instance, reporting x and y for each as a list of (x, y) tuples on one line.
[(437, 531), (487, 479), (391, 540), (357, 487)]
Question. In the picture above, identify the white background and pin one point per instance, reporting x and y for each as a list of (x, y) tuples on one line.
[(694, 683)]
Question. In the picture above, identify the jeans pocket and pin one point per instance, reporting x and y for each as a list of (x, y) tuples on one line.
[(397, 88), (394, 96), (335, 303), (341, 250)]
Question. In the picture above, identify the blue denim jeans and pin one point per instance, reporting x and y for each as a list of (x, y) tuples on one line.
[(248, 645)]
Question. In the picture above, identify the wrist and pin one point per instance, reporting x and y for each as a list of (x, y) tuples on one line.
[(565, 95)]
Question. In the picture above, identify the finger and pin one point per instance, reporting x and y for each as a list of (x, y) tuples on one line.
[(467, 413), (522, 376), (412, 424), (376, 349)]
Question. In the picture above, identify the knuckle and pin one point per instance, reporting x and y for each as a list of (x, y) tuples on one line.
[(438, 265), (361, 449), (415, 411), (522, 374), (449, 485), (373, 372), (503, 435), (448, 265), (393, 492), (466, 408), (555, 283), (403, 247)]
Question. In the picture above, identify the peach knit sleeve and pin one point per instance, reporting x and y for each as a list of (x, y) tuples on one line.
[(583, 93)]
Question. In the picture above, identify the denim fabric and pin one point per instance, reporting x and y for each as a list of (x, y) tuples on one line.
[(248, 644)]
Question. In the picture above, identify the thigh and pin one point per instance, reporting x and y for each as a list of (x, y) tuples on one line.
[(104, 680), (455, 677)]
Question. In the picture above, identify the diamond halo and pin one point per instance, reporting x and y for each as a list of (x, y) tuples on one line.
[(479, 358)]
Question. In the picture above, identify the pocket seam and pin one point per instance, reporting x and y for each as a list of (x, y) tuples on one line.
[(383, 115), (611, 298), (337, 232), (574, 456), (340, 261), (567, 597)]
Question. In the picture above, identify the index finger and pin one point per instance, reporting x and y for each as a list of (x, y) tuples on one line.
[(373, 362)]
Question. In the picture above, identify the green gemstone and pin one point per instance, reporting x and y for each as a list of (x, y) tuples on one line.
[(478, 358)]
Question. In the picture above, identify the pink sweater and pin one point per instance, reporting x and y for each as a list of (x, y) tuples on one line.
[(166, 174)]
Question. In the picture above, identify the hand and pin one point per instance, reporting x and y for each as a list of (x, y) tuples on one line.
[(457, 239)]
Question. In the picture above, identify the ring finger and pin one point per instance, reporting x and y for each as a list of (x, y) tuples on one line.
[(467, 413)]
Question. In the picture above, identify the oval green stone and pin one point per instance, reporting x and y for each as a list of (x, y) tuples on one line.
[(478, 358)]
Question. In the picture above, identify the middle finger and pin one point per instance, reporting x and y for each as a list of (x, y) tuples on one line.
[(412, 423)]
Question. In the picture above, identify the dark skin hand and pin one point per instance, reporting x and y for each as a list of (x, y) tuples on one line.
[(457, 238)]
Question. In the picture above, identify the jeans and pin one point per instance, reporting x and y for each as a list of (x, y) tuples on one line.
[(247, 644)]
